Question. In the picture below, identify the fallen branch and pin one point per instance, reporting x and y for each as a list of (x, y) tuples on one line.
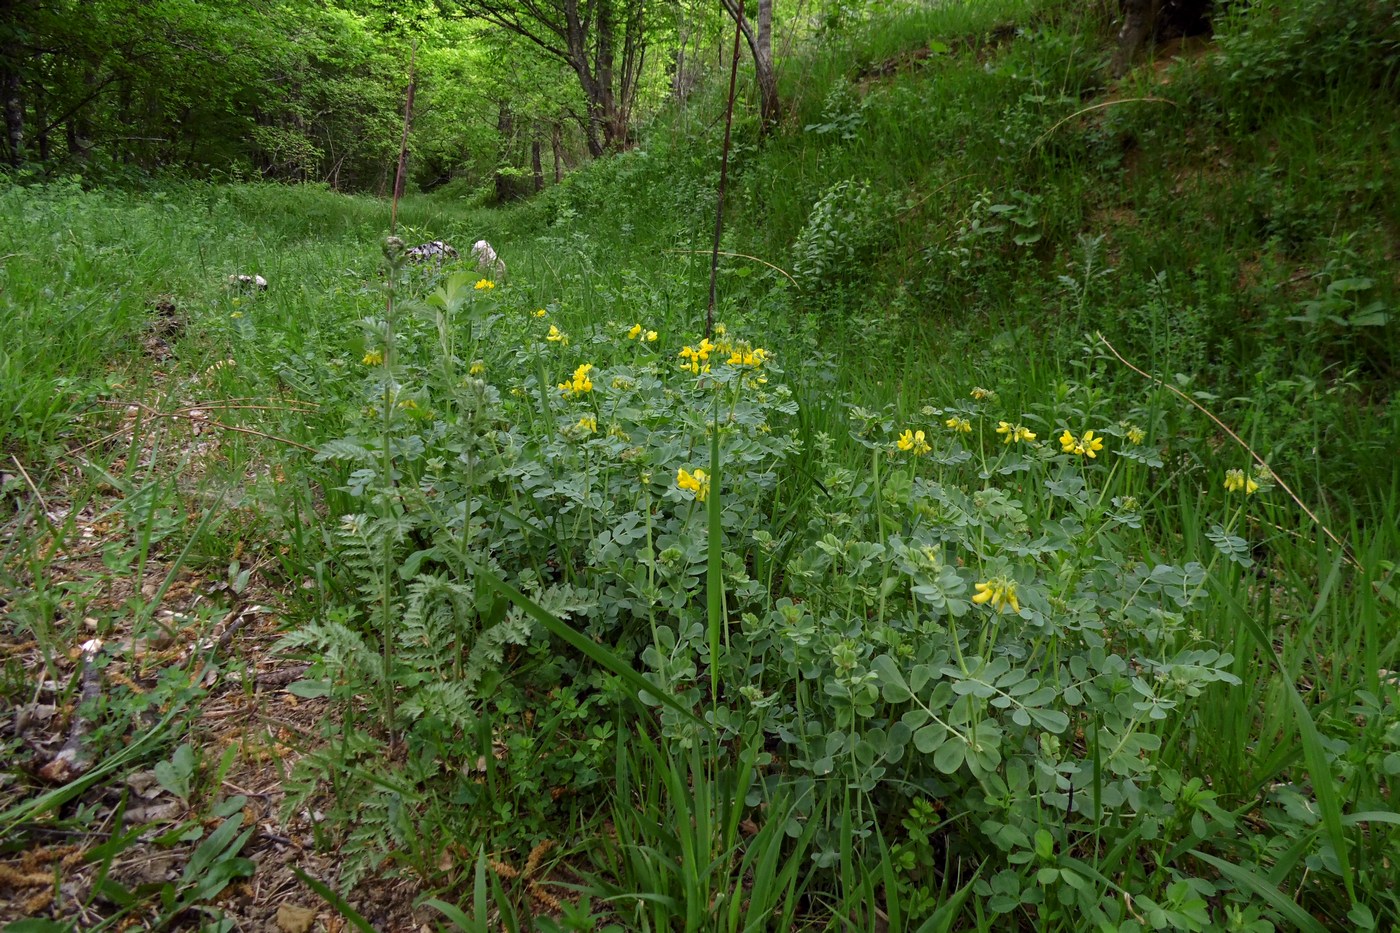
[(706, 252), (196, 416), (1346, 551), (43, 506)]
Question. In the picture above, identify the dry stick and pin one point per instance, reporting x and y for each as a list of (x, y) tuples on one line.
[(222, 406), (1099, 106), (738, 256), (403, 142), (723, 174), (184, 416), (1346, 552), (32, 488)]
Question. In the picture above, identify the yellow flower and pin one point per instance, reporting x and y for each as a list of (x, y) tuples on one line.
[(981, 394), (1086, 446), (913, 441), (1235, 480), (721, 330), (651, 336), (485, 285), (743, 356), (408, 404), (540, 313), (1135, 434), (477, 368), (961, 425), (1015, 432), (694, 356), (697, 482), (556, 335), (1000, 592), (236, 314), (580, 382), (373, 358), (634, 332), (588, 423)]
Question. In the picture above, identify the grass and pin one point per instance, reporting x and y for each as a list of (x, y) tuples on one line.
[(561, 693)]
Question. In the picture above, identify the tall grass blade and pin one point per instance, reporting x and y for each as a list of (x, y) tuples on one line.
[(590, 649)]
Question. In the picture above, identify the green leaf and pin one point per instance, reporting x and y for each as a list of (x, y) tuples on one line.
[(1232, 546), (1296, 916), (950, 755), (892, 684), (930, 737), (336, 901), (586, 646)]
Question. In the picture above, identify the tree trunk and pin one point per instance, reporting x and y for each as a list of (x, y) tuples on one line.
[(614, 125), (1139, 18), (763, 67), (14, 116), (556, 143), (536, 162), (679, 85), (760, 44), (41, 124), (504, 124)]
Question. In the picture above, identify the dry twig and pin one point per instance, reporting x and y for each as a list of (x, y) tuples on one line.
[(1346, 551)]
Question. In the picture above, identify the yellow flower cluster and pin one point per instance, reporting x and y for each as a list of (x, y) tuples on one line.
[(637, 331), (961, 425), (588, 423), (697, 482), (981, 394), (373, 358), (580, 383), (485, 285), (1235, 480), (1086, 446), (1000, 592), (913, 441), (744, 356), (1015, 432), (696, 359), (477, 368), (540, 313), (1135, 434), (556, 335)]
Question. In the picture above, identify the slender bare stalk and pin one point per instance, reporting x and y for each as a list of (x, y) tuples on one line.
[(723, 174)]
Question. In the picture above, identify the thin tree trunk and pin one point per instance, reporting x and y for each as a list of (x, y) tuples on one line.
[(679, 86), (41, 123), (760, 44), (763, 66), (14, 117), (536, 162), (556, 143), (504, 124)]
